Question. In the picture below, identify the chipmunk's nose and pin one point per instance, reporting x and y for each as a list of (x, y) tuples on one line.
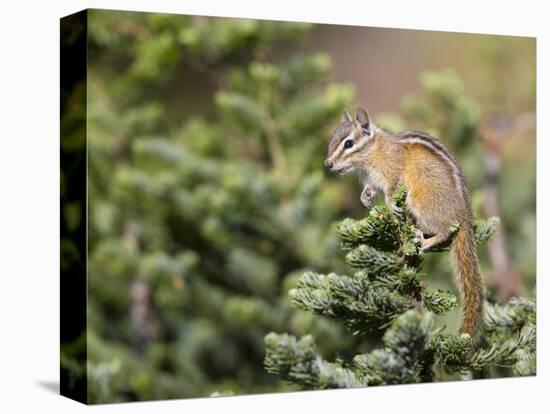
[(329, 164)]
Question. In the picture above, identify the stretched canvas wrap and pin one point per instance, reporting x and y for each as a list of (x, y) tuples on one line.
[(215, 238)]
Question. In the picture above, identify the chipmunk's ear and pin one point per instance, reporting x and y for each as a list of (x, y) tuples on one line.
[(346, 118), (363, 118)]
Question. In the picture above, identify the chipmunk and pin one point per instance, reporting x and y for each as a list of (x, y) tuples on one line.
[(437, 193)]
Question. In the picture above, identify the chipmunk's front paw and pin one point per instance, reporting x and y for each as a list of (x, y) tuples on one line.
[(366, 199), (366, 196)]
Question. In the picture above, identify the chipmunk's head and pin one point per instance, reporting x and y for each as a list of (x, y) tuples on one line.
[(350, 142)]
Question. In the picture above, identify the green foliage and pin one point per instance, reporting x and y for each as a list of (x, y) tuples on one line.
[(386, 296), (296, 360), (378, 229), (195, 224)]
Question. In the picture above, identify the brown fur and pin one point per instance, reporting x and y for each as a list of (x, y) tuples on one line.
[(437, 194)]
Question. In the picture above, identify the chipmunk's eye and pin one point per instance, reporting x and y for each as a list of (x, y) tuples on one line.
[(348, 144)]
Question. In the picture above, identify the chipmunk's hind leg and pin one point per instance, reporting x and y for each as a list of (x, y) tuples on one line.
[(427, 244)]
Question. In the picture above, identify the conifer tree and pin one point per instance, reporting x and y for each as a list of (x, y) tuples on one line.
[(388, 296)]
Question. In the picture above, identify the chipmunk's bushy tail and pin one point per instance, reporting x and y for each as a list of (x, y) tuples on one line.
[(468, 278)]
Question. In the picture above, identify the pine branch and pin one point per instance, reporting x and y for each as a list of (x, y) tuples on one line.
[(387, 294), (401, 359), (360, 304), (379, 229), (297, 361), (438, 301)]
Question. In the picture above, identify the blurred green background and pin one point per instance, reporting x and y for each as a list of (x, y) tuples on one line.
[(208, 196)]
